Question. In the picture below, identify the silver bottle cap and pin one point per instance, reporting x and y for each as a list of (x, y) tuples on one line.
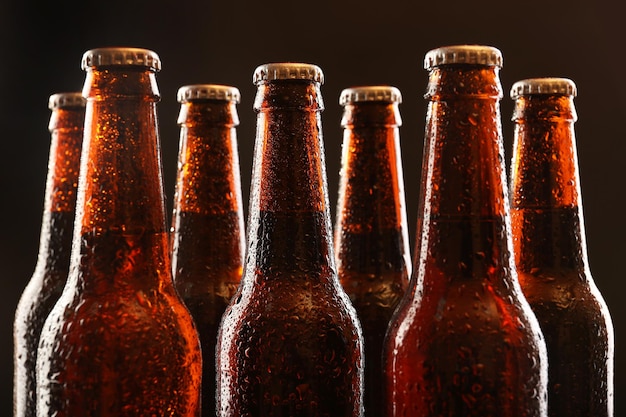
[(64, 100), (383, 93), (121, 56), (287, 71), (545, 85), (208, 92), (463, 54)]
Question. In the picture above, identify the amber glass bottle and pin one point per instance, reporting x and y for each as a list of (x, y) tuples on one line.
[(119, 342), (55, 243), (371, 237), (289, 342), (464, 341), (551, 253), (207, 223)]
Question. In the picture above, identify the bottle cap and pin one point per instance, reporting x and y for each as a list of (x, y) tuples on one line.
[(63, 100), (121, 56), (463, 54), (370, 93), (547, 85), (287, 71), (208, 92)]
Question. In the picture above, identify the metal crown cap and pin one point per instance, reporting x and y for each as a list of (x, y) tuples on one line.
[(463, 54), (208, 92), (545, 85), (63, 100), (383, 93), (121, 56), (287, 71)]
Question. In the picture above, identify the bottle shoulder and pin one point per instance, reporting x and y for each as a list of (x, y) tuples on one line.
[(291, 300), (465, 308), (569, 293), (44, 288), (126, 311)]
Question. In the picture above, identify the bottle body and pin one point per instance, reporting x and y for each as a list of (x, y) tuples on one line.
[(207, 224), (289, 342), (464, 341), (51, 270), (119, 341), (371, 241), (551, 254)]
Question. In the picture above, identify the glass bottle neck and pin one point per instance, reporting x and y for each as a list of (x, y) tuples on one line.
[(289, 222), (289, 171), (371, 216), (120, 237), (66, 128), (207, 200), (464, 220), (546, 210), (121, 178), (208, 177)]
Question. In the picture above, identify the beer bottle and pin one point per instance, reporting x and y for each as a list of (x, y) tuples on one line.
[(119, 342), (371, 240), (550, 250), (289, 342), (464, 341), (55, 242), (207, 223)]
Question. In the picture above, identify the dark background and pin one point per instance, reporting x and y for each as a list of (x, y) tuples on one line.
[(355, 43)]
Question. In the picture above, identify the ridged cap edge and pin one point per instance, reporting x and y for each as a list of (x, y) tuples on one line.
[(287, 71), (63, 100), (383, 93), (545, 85), (463, 54), (208, 92), (121, 56)]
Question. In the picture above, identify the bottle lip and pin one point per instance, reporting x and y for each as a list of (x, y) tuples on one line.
[(544, 86), (66, 99), (384, 93), (114, 56), (463, 54), (287, 71), (219, 92)]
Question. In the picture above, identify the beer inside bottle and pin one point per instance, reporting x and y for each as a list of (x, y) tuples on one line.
[(551, 253), (464, 341), (371, 237), (48, 279), (207, 223), (289, 342), (119, 342)]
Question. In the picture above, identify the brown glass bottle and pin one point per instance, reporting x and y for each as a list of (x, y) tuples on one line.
[(119, 342), (464, 341), (551, 253), (55, 243), (289, 342), (207, 223), (371, 240)]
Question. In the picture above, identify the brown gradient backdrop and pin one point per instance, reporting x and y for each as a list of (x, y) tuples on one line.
[(355, 42)]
